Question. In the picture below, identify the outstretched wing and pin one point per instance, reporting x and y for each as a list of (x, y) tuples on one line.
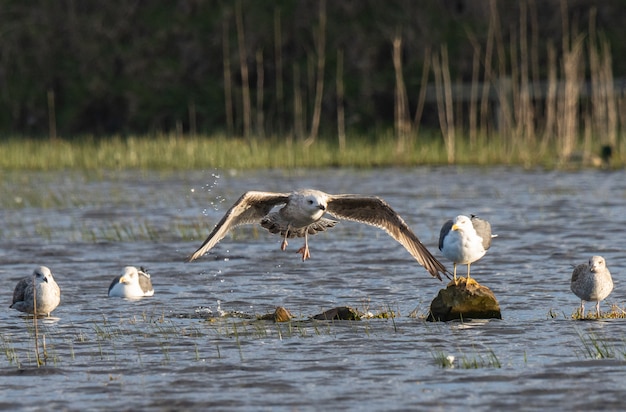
[(250, 208), (375, 211)]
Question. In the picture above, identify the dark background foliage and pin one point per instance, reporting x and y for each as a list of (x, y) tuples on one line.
[(131, 66)]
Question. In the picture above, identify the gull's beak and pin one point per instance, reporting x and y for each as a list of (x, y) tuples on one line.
[(124, 279), (454, 227)]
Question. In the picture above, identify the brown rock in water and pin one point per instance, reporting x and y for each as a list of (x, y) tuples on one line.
[(464, 300), (280, 315), (339, 313)]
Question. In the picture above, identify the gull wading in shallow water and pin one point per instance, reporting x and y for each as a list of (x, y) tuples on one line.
[(40, 287), (465, 240), (591, 282), (132, 283), (302, 215)]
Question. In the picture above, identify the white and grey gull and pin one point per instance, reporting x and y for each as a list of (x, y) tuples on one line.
[(132, 283), (41, 288), (302, 214), (465, 240)]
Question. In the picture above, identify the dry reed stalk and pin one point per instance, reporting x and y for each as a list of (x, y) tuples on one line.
[(611, 99), (401, 112), (35, 324), (526, 116), (421, 98), (598, 88), (245, 84), (297, 104), (587, 135), (503, 83), (341, 116), (278, 57), (191, 107), (567, 119), (52, 122), (620, 107), (228, 82), (488, 78), (550, 129), (319, 78), (260, 116), (473, 104), (603, 101), (443, 90), (534, 46), (514, 97)]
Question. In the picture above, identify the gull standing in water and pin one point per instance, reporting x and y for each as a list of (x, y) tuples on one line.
[(132, 283), (39, 287), (465, 240), (591, 282), (302, 215)]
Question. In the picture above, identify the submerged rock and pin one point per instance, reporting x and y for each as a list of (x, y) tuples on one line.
[(281, 314), (339, 313), (464, 300)]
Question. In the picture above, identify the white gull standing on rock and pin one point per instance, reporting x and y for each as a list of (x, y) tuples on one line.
[(39, 287), (465, 240), (132, 283), (592, 283), (302, 215)]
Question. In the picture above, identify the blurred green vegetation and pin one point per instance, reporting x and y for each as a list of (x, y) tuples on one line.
[(171, 152)]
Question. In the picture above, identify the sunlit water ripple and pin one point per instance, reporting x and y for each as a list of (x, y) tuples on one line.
[(159, 353)]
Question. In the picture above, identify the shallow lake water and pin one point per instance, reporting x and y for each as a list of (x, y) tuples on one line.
[(174, 351)]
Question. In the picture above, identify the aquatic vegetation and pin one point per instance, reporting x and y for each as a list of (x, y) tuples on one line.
[(474, 361), (601, 347), (615, 312)]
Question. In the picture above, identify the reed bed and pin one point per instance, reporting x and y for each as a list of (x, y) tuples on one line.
[(171, 152)]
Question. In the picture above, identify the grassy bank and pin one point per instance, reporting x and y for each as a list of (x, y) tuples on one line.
[(170, 152)]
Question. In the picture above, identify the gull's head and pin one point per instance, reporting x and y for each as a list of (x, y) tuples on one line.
[(130, 275), (596, 263), (42, 274), (313, 201), (462, 223)]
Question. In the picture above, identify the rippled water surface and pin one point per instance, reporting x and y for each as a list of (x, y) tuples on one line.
[(174, 352)]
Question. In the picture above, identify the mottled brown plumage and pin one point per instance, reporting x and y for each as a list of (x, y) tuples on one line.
[(592, 282), (302, 214), (41, 288)]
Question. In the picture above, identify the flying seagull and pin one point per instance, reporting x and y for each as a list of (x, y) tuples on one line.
[(591, 282), (465, 240), (39, 287), (302, 215), (132, 283)]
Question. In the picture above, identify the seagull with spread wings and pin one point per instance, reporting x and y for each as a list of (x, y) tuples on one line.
[(302, 214)]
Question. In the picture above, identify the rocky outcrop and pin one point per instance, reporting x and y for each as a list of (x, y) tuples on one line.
[(464, 300)]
